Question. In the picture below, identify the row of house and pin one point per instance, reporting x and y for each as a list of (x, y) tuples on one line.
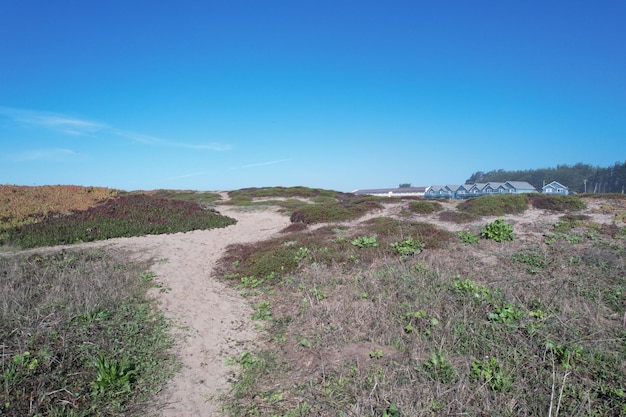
[(460, 192)]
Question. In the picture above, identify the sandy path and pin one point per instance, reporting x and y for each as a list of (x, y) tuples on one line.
[(212, 321)]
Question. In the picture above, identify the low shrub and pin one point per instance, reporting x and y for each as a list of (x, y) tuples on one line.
[(133, 215), (425, 207), (457, 217), (558, 203), (495, 205), (498, 230), (345, 210)]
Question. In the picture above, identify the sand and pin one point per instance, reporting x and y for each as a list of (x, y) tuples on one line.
[(211, 320)]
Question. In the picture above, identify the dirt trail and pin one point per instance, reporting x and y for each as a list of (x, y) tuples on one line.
[(212, 321)]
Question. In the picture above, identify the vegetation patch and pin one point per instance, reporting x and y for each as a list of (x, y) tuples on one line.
[(23, 204), (425, 207), (81, 338), (247, 195), (441, 332), (557, 203), (344, 210), (389, 229), (457, 217), (495, 205), (498, 230), (133, 215)]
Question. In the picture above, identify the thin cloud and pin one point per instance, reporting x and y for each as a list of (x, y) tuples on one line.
[(58, 155), (259, 164), (179, 177), (82, 127), (155, 141), (65, 124)]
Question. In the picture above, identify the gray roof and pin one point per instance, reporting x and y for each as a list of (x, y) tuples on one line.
[(555, 184), (403, 190), (521, 185)]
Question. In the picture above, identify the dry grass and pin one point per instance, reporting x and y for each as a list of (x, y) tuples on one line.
[(515, 328)]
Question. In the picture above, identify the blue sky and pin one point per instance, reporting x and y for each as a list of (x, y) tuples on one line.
[(345, 95)]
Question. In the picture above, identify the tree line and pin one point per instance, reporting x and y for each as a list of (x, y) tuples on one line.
[(579, 178)]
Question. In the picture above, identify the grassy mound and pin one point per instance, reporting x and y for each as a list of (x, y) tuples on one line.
[(495, 205), (133, 215)]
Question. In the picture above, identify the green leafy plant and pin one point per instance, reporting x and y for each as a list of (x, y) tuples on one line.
[(408, 247), (112, 376), (478, 292), (535, 261), (246, 360), (498, 230), (302, 254), (439, 368), (365, 242), (491, 372), (468, 238), (566, 354), (147, 276), (262, 311), (376, 354), (506, 313), (392, 411)]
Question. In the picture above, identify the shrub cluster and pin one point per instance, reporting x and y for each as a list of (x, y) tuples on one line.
[(558, 203), (495, 205), (23, 204), (133, 215), (343, 210), (425, 207)]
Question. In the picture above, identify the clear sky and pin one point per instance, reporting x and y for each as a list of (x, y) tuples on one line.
[(345, 95)]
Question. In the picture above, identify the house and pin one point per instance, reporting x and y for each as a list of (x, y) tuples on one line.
[(555, 188), (393, 192), (459, 192)]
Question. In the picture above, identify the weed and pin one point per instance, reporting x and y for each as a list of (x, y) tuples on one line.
[(376, 354), (534, 261), (565, 354), (365, 242), (498, 230), (506, 313), (112, 376), (407, 247), (478, 292), (468, 238), (491, 372), (439, 368), (147, 276), (262, 311)]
